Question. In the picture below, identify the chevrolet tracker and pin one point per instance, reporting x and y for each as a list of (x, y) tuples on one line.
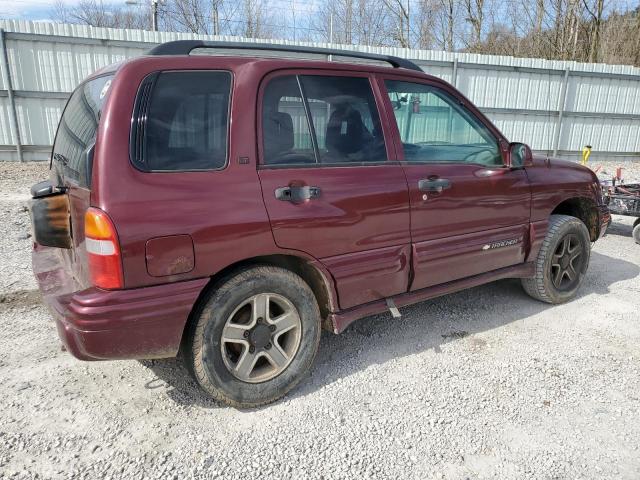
[(227, 208)]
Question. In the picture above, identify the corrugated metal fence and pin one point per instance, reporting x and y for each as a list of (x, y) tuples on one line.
[(554, 106)]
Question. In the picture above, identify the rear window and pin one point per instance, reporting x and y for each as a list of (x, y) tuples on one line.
[(72, 149), (182, 122)]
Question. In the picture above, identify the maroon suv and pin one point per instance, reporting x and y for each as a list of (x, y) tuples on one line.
[(229, 207)]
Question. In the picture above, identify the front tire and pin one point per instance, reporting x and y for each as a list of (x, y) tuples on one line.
[(562, 261), (636, 231), (256, 337)]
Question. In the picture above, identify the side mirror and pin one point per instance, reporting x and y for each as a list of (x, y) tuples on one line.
[(520, 155)]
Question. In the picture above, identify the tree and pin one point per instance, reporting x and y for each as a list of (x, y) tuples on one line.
[(100, 14), (192, 16), (500, 40), (475, 16), (353, 22), (596, 13), (399, 11), (447, 16), (581, 30), (425, 20)]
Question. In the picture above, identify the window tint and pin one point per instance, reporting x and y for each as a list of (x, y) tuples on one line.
[(78, 126), (343, 115), (434, 127), (187, 120)]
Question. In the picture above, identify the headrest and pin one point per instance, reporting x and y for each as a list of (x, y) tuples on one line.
[(345, 131), (277, 134)]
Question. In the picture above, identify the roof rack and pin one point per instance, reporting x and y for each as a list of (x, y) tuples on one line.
[(184, 47)]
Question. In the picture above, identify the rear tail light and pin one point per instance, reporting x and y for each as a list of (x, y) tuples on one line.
[(103, 250)]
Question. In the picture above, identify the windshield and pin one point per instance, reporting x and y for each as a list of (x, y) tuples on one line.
[(72, 149)]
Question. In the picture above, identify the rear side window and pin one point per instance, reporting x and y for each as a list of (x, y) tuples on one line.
[(314, 119), (77, 130), (182, 121)]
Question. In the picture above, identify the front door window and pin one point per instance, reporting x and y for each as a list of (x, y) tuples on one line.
[(435, 128)]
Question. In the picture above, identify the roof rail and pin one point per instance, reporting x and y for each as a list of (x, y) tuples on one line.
[(184, 47)]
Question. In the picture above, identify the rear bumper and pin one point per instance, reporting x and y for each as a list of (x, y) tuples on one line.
[(96, 324)]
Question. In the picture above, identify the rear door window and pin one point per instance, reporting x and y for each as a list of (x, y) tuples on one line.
[(315, 119), (285, 127), (77, 129), (182, 122)]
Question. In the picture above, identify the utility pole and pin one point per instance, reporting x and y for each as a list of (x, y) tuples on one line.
[(331, 28), (216, 18), (293, 11), (330, 57), (154, 15), (408, 25), (154, 11)]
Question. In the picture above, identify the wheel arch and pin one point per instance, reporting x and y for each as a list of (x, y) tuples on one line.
[(584, 209), (314, 275)]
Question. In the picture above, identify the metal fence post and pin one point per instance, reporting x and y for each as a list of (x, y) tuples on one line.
[(454, 73), (13, 113), (561, 106)]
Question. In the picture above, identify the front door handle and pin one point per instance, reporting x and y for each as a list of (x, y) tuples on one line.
[(297, 194), (434, 184)]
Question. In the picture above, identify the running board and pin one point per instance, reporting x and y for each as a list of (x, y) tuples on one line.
[(341, 320)]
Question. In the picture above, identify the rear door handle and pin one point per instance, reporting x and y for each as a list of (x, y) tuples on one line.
[(434, 184), (297, 194)]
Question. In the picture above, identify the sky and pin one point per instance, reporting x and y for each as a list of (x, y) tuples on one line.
[(29, 9)]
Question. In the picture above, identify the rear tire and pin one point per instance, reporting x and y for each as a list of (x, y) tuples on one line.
[(255, 338), (562, 261), (636, 231)]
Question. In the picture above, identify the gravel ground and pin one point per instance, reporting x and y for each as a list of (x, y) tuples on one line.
[(486, 383)]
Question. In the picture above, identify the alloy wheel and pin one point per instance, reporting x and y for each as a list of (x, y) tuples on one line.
[(567, 262), (261, 337)]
